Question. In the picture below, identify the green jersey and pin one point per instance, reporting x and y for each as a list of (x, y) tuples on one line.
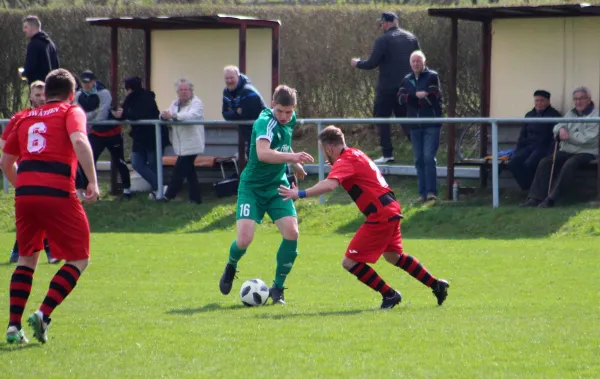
[(258, 174)]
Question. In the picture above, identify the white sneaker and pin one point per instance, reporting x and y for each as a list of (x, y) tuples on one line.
[(40, 328), (384, 160), (16, 336)]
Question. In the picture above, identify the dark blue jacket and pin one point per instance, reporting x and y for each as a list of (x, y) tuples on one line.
[(427, 107), (537, 136), (244, 96), (41, 58)]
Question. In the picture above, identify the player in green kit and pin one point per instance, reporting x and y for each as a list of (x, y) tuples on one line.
[(270, 152)]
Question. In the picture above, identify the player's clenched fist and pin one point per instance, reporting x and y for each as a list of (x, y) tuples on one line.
[(92, 193), (302, 158)]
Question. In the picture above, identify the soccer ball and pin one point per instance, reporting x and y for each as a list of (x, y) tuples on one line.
[(254, 293)]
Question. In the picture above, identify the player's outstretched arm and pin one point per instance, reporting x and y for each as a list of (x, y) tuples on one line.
[(268, 155), (318, 189)]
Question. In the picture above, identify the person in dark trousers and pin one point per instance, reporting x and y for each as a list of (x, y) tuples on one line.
[(187, 140), (578, 146), (421, 94), (42, 56), (535, 141), (241, 101), (391, 54), (140, 104), (95, 99)]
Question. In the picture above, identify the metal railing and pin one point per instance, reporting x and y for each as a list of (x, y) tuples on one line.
[(344, 121)]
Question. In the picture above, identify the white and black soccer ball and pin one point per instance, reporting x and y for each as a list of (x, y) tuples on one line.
[(254, 293)]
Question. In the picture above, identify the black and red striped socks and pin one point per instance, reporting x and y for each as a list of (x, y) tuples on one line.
[(61, 286), (20, 288), (416, 270), (368, 276)]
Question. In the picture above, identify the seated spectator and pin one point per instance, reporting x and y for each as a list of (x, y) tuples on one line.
[(140, 104), (241, 101), (535, 141), (420, 93), (187, 140), (96, 100), (578, 146)]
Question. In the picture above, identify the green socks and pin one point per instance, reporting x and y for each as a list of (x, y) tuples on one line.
[(235, 254), (286, 255)]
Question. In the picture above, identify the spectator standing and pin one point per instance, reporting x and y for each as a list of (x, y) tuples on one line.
[(42, 56), (241, 102), (95, 99), (187, 140), (140, 104), (391, 54), (421, 94), (535, 141), (578, 146)]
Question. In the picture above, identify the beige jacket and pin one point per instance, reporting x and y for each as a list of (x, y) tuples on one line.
[(583, 137), (188, 139)]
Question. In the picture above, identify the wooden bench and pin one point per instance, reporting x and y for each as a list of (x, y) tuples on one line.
[(508, 135), (218, 160)]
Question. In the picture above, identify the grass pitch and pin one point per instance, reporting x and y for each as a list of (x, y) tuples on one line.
[(523, 299)]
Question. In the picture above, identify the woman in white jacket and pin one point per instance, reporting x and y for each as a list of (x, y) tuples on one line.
[(187, 140)]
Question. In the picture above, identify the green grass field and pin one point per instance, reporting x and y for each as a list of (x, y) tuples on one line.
[(523, 299)]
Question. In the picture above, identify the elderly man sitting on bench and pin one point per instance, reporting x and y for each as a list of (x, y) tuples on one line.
[(535, 141), (578, 146)]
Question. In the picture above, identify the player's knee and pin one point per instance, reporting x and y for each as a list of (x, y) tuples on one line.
[(391, 257), (80, 264), (291, 233), (348, 263)]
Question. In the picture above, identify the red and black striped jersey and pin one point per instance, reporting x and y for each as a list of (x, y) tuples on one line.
[(365, 184), (41, 138)]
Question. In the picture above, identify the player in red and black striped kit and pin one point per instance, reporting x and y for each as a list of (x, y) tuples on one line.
[(49, 141), (380, 234)]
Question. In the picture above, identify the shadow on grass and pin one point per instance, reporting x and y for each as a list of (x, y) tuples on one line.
[(464, 220), (315, 314), (212, 307), (6, 348)]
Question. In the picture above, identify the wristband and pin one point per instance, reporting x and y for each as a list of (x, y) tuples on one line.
[(302, 194)]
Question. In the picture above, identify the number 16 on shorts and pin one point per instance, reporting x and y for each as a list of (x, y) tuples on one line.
[(244, 210)]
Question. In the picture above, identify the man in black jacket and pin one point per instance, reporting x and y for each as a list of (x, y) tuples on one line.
[(41, 52), (535, 141), (391, 54), (241, 101)]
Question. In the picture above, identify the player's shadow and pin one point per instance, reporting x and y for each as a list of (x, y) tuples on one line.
[(212, 307), (5, 348), (349, 312), (225, 222)]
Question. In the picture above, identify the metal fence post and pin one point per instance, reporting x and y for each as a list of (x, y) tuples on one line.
[(495, 184), (159, 164), (321, 162)]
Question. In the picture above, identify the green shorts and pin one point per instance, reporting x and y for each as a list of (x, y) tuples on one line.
[(252, 204)]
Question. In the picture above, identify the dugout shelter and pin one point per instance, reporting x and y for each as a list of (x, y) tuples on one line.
[(524, 48)]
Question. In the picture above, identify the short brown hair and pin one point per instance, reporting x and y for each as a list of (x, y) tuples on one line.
[(285, 96), (60, 84), (33, 21), (332, 135), (38, 84)]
